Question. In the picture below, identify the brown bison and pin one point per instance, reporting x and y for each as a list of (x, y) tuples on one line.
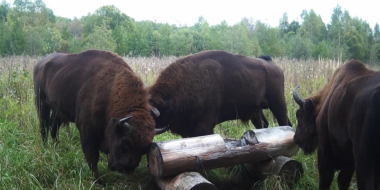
[(342, 122), (100, 93), (196, 92)]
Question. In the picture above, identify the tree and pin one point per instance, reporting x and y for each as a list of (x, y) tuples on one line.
[(17, 38), (336, 27), (182, 41), (4, 9), (313, 26), (376, 34), (120, 35), (76, 28), (239, 40), (218, 36), (34, 40), (270, 40), (201, 35), (293, 27), (356, 45), (75, 45), (4, 38), (51, 40), (101, 39), (284, 24), (321, 50), (165, 40), (107, 15), (301, 48)]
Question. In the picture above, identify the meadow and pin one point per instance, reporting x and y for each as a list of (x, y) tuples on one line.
[(25, 163)]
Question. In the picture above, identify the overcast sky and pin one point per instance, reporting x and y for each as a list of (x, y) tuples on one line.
[(187, 12)]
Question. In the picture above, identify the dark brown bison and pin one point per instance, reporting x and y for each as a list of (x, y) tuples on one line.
[(196, 92), (342, 122), (100, 93)]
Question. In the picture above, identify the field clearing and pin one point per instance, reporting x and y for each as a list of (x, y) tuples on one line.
[(26, 164)]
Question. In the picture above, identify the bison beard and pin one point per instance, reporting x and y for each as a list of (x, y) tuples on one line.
[(108, 103), (341, 121), (196, 92)]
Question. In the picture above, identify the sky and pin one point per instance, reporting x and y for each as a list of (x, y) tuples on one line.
[(187, 12)]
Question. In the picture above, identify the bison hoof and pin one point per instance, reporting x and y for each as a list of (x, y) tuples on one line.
[(100, 182)]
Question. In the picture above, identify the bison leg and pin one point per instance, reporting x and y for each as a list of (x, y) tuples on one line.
[(91, 153), (201, 129), (258, 120), (55, 129), (43, 112), (345, 176), (278, 108), (325, 168)]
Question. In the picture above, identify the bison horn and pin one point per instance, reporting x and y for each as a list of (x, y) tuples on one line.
[(123, 122), (155, 113), (297, 98), (161, 130)]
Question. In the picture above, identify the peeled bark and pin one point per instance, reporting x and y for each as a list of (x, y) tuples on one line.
[(185, 181), (212, 151)]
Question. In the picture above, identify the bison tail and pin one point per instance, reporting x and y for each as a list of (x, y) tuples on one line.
[(370, 142)]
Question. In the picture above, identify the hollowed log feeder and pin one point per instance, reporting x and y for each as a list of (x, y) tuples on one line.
[(212, 151), (289, 170)]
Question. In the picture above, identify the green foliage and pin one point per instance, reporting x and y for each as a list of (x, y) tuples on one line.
[(313, 27), (376, 34), (4, 38), (182, 41), (4, 9), (75, 45), (321, 50), (356, 45), (300, 47), (17, 38), (269, 40), (29, 27), (101, 39)]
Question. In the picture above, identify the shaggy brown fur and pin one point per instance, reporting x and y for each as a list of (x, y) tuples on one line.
[(335, 121), (95, 89), (196, 92)]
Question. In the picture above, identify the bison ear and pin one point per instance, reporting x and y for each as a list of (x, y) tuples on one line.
[(309, 107)]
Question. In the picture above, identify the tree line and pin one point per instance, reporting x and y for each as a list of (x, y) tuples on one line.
[(30, 28)]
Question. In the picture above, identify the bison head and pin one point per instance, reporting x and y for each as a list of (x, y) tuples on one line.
[(306, 135), (129, 139), (124, 153)]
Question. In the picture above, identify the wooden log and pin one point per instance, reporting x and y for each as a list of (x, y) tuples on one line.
[(185, 181), (289, 170), (277, 136), (212, 151)]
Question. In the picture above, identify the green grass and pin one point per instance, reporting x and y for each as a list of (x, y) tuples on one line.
[(26, 164)]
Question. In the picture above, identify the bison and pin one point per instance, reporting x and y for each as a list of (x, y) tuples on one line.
[(101, 94), (196, 92), (341, 121)]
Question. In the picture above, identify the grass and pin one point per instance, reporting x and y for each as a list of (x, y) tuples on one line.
[(26, 164)]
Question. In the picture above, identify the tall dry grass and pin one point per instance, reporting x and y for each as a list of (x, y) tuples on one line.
[(26, 164)]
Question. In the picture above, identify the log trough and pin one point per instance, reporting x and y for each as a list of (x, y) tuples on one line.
[(262, 151)]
